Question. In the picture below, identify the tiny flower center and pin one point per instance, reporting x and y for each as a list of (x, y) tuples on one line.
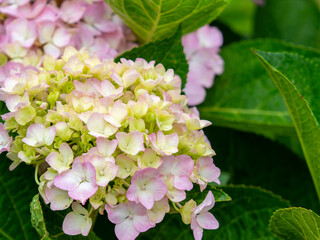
[(83, 179), (144, 187)]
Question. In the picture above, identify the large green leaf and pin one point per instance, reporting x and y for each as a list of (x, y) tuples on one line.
[(168, 52), (48, 223), (16, 188), (297, 78), (246, 217), (254, 160), (295, 224), (296, 21), (155, 19), (239, 16), (245, 98)]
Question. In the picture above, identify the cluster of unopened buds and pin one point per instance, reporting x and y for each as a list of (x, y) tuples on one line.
[(109, 136)]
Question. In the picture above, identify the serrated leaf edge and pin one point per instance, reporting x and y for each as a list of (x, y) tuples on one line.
[(263, 62), (35, 225), (286, 210), (257, 188)]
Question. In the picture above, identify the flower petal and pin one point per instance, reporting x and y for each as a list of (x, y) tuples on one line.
[(117, 214), (207, 221), (126, 230)]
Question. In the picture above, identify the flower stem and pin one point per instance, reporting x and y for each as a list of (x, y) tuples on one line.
[(94, 215), (36, 174), (125, 183), (175, 206)]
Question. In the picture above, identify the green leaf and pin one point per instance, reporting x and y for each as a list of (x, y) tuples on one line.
[(255, 160), (246, 217), (168, 52), (37, 219), (16, 188), (296, 21), (245, 98), (198, 196), (295, 224), (155, 19), (297, 78), (219, 194), (239, 16), (48, 223)]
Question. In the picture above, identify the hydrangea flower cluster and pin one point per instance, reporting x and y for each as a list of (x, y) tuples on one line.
[(109, 136), (202, 51), (29, 29)]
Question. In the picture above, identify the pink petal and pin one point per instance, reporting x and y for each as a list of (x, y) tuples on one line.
[(72, 11), (67, 180), (23, 31), (86, 169), (49, 13), (142, 223), (166, 166), (136, 209), (176, 195), (183, 183), (207, 221), (117, 214), (83, 192), (197, 233), (207, 170), (206, 205), (146, 199), (210, 37), (158, 188), (126, 230), (61, 37), (77, 222), (72, 224), (94, 12), (190, 43), (31, 11), (194, 91), (183, 165), (132, 192), (52, 50)]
